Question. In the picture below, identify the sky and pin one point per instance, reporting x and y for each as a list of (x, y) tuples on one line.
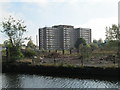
[(94, 14)]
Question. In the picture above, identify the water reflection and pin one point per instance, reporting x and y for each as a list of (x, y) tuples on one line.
[(0, 81), (11, 80), (37, 81)]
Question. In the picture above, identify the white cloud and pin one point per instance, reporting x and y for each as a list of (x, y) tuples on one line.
[(18, 16), (32, 30), (5, 14), (68, 1), (98, 1), (5, 0), (42, 1), (45, 3), (98, 26)]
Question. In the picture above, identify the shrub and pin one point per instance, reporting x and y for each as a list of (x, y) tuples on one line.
[(14, 53), (29, 53), (3, 52)]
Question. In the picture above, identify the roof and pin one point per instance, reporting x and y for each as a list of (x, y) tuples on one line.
[(68, 26)]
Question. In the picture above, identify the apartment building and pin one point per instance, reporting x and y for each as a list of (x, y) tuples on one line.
[(62, 36)]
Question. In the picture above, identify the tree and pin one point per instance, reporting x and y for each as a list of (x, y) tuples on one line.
[(30, 51), (80, 41), (14, 29), (112, 45), (113, 36), (93, 46), (95, 41), (112, 33), (30, 44), (100, 41), (84, 51)]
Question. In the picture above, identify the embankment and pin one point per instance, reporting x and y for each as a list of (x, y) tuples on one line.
[(60, 70)]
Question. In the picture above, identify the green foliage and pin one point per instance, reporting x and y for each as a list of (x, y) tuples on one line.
[(85, 50), (15, 53), (93, 46), (80, 41), (95, 41), (14, 29), (7, 43), (112, 43), (112, 33), (100, 41), (3, 52), (2, 45), (97, 44), (30, 44), (29, 53)]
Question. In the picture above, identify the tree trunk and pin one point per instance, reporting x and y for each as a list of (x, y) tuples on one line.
[(11, 41)]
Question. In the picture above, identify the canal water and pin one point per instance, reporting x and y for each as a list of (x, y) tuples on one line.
[(38, 81)]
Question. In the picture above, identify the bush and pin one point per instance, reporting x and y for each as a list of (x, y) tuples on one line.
[(112, 45), (3, 52), (93, 46), (14, 53), (29, 53)]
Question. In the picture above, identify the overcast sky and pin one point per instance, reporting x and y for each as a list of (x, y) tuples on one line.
[(94, 14)]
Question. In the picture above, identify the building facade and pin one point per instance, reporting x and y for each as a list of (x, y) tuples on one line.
[(62, 37)]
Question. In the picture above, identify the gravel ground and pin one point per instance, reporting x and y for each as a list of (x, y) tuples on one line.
[(74, 60)]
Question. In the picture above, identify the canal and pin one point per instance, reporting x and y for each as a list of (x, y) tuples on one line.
[(10, 80)]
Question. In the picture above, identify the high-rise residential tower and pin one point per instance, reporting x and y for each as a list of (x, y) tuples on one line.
[(62, 36)]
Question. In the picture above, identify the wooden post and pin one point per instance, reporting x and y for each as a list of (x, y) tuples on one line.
[(63, 51), (81, 57), (114, 60), (56, 50), (70, 51)]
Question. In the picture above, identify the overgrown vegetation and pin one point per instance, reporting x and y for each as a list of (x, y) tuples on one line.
[(14, 29), (98, 49)]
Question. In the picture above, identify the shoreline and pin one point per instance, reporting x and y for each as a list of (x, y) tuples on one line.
[(86, 71)]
